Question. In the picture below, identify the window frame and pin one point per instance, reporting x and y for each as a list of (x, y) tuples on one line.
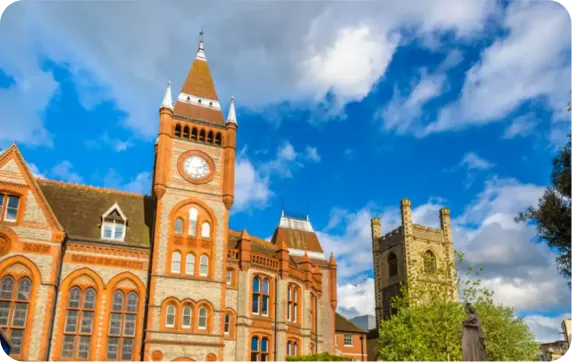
[(392, 266), (262, 298), (114, 224), (123, 313), (174, 306), (80, 311), (206, 318), (13, 301), (6, 195), (351, 339), (176, 254), (258, 353), (206, 273)]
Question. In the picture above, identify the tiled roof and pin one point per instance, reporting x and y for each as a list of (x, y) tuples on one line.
[(201, 113), (298, 239), (199, 81), (79, 209), (259, 246), (344, 325)]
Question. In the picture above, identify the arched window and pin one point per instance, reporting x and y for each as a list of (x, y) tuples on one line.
[(429, 262), (204, 267), (227, 323), (202, 318), (206, 230), (176, 262), (187, 316), (210, 137), (193, 216), (194, 134), (190, 264), (14, 305), (293, 302), (170, 316), (122, 326), (79, 323), (178, 130), (218, 139), (186, 132), (179, 226), (259, 348), (292, 348), (392, 263), (260, 296), (202, 135), (265, 297)]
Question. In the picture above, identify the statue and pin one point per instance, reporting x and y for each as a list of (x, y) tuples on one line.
[(473, 344)]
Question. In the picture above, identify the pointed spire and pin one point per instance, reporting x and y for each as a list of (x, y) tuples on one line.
[(167, 99), (282, 245), (231, 113), (244, 234), (332, 260), (201, 51)]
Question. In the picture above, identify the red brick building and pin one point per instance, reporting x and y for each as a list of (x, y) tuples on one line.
[(350, 339), (94, 274)]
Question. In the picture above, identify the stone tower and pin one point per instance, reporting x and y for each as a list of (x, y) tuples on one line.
[(194, 188), (409, 249)]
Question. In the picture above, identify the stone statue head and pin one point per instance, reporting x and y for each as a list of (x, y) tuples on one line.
[(469, 309)]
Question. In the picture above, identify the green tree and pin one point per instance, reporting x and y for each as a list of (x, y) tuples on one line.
[(318, 357), (552, 216), (428, 323)]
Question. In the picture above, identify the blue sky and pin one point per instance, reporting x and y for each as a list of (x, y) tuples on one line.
[(344, 108)]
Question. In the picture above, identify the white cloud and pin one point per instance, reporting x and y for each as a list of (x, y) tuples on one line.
[(140, 184), (253, 179), (312, 154), (64, 172), (520, 126), (105, 141), (529, 63), (546, 329), (34, 169), (126, 56), (250, 188), (403, 113), (473, 162)]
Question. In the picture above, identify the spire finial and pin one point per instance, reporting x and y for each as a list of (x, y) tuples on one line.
[(201, 51), (231, 113), (201, 39), (167, 99)]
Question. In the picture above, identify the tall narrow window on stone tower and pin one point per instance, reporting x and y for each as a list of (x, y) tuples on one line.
[(265, 297), (255, 295), (392, 263), (122, 326), (204, 267), (193, 216), (79, 323), (190, 264), (429, 262), (14, 303), (206, 230)]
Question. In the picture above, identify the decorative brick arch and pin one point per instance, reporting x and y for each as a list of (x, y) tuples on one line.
[(126, 282), (211, 357), (69, 281), (7, 240), (25, 267), (183, 359)]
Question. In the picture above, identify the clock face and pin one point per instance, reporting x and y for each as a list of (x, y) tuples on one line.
[(196, 167)]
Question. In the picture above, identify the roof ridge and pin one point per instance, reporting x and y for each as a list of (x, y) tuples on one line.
[(349, 321), (91, 188), (256, 239)]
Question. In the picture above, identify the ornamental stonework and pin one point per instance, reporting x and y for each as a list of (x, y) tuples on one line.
[(36, 248), (100, 260), (5, 245)]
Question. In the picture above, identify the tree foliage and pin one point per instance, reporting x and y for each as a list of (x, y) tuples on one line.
[(428, 322), (552, 216), (325, 356)]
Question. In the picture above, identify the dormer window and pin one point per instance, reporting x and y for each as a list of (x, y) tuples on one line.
[(113, 225)]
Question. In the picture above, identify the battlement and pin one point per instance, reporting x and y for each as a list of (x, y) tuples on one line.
[(426, 228), (392, 234)]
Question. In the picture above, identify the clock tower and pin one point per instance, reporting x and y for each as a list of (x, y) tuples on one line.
[(193, 186)]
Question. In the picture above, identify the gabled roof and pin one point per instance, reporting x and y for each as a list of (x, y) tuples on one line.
[(259, 245), (299, 235), (344, 325), (79, 209)]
